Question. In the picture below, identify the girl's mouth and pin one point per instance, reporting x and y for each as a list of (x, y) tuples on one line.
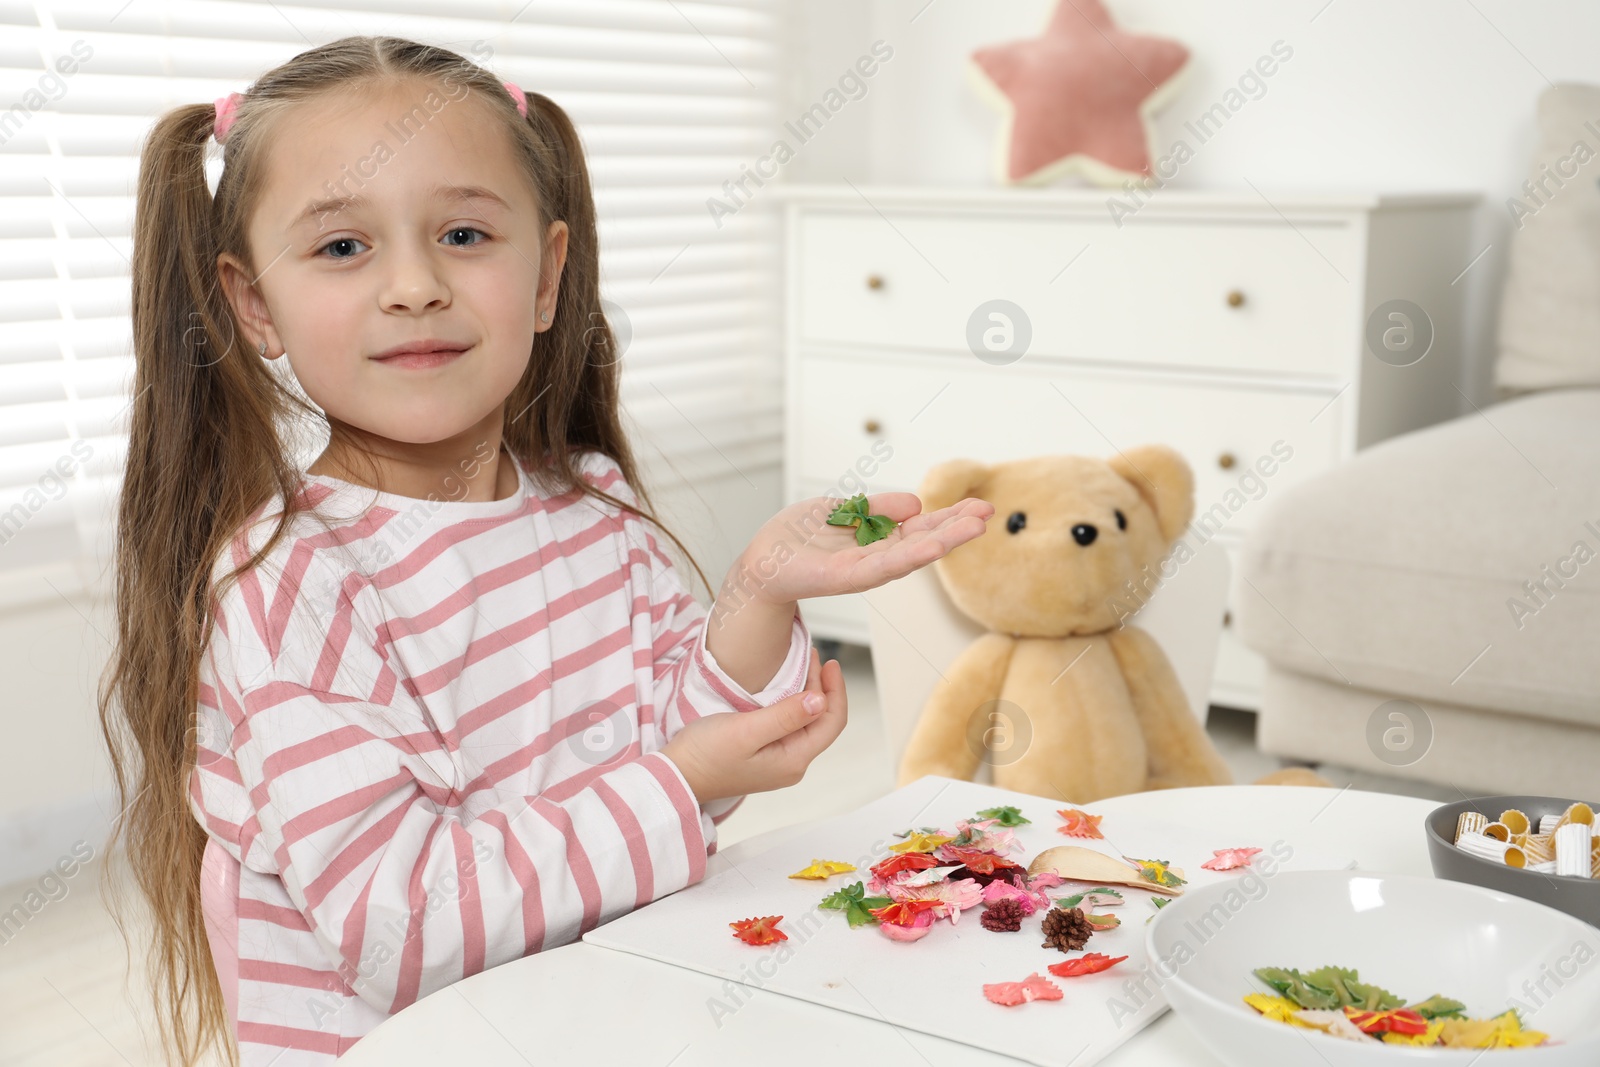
[(423, 360)]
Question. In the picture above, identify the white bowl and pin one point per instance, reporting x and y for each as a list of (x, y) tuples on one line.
[(1413, 936)]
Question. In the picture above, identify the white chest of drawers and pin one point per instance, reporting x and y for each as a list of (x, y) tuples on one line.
[(923, 325)]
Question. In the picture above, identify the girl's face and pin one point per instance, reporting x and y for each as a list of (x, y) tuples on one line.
[(393, 218)]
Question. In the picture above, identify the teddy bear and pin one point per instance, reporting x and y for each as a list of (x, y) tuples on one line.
[(1105, 713)]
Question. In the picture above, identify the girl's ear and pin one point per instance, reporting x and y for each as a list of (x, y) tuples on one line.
[(249, 308), (551, 263), (950, 482)]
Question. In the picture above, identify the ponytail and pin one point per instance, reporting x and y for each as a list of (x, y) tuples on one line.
[(574, 378)]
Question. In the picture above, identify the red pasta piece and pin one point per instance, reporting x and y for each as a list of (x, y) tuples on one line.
[(762, 931), (1088, 963), (1080, 823), (907, 861), (1035, 987)]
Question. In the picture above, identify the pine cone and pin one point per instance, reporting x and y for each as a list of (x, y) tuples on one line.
[(1002, 915), (1066, 929)]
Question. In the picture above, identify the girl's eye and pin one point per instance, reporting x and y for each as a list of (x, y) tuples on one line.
[(338, 241), (468, 229)]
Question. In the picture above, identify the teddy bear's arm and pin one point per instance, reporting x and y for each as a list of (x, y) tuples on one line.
[(1180, 752), (939, 741)]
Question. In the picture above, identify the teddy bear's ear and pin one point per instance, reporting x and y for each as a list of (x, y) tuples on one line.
[(950, 482), (1165, 481)]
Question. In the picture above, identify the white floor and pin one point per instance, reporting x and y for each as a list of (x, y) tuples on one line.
[(62, 977)]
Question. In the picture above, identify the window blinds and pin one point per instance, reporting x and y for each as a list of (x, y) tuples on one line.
[(673, 99)]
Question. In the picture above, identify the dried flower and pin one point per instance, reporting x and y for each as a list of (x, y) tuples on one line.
[(1002, 916)]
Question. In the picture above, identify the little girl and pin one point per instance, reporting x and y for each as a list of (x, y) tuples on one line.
[(439, 700)]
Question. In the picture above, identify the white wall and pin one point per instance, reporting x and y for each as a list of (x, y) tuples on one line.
[(56, 786), (1379, 95)]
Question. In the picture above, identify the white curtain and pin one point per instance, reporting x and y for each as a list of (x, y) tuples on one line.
[(673, 99)]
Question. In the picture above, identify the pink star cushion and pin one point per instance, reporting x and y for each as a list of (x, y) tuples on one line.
[(1079, 96)]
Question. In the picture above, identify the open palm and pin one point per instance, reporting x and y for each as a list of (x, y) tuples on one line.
[(783, 564)]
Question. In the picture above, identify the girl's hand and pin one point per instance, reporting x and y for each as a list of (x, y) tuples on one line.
[(782, 566), (734, 753)]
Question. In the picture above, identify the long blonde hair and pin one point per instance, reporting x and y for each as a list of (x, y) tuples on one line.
[(208, 448)]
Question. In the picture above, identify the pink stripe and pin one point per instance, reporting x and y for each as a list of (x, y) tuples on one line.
[(577, 861), (260, 911), (332, 812), (409, 980), (218, 763), (249, 589), (523, 694), (512, 633), (527, 877), (470, 902), (688, 813), (300, 557), (687, 712), (329, 659), (701, 660), (342, 739), (436, 544), (520, 760), (289, 974), (279, 1037), (353, 855), (353, 936), (644, 878)]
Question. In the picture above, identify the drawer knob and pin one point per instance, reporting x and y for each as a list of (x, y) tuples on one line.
[(1227, 619), (872, 426), (1226, 461), (1235, 298), (874, 281)]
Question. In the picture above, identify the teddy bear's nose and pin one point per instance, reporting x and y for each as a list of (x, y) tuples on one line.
[(1084, 534)]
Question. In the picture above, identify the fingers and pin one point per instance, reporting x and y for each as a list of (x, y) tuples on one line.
[(901, 507), (791, 753), (971, 505), (903, 557), (766, 725), (831, 722)]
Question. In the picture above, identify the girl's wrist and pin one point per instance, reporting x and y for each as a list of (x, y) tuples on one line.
[(685, 770), (748, 584)]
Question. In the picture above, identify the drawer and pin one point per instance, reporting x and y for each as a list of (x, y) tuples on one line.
[(886, 421), (1155, 292)]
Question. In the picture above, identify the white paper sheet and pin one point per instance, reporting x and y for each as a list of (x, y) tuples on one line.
[(935, 985)]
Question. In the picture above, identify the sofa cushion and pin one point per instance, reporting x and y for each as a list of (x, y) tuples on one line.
[(1458, 563), (1549, 314)]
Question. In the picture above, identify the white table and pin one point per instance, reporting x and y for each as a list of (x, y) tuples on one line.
[(585, 1004)]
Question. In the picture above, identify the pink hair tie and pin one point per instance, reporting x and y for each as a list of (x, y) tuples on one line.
[(226, 107), (521, 97)]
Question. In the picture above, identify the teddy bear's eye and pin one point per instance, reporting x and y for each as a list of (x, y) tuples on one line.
[(1016, 522), (1122, 520)]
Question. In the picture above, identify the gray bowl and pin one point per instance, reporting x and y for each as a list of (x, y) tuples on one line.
[(1579, 897)]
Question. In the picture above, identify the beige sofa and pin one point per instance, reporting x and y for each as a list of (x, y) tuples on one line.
[(1456, 569), (1431, 609)]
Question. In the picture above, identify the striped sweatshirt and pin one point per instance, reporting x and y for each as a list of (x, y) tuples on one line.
[(428, 738)]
